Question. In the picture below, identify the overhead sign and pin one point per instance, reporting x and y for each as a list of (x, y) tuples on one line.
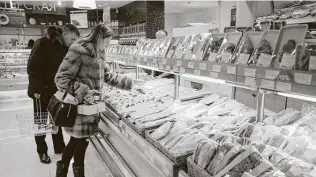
[(45, 7)]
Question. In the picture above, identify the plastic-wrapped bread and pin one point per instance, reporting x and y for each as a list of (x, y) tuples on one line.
[(278, 140), (245, 131), (262, 48), (245, 47), (162, 131), (205, 152), (230, 155), (300, 12), (284, 117), (213, 166)]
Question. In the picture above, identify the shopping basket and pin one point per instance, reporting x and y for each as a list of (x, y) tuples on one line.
[(37, 123)]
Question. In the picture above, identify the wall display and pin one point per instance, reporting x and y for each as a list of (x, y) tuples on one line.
[(79, 18)]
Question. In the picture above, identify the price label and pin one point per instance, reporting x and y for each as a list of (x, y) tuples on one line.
[(145, 59), (243, 59), (191, 65), (303, 78), (138, 58), (226, 57), (264, 60), (164, 61), (168, 67), (212, 57), (217, 68), (312, 63), (203, 66), (288, 61), (197, 72), (179, 63), (285, 87), (214, 75), (160, 66), (250, 72), (134, 57), (156, 65), (182, 70), (250, 81), (271, 74), (231, 70), (267, 84)]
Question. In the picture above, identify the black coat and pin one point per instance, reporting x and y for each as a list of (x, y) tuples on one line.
[(43, 64)]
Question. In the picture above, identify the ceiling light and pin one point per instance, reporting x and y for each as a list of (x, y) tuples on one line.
[(175, 10), (195, 5), (84, 4), (59, 3), (99, 5)]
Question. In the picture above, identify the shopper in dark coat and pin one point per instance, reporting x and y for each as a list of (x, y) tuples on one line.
[(86, 58), (45, 58)]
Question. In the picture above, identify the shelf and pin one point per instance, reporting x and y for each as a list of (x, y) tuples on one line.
[(12, 67), (292, 21), (15, 51), (247, 77)]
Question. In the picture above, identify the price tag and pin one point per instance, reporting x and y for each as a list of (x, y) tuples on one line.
[(154, 60), (303, 78), (226, 57), (182, 70), (250, 72), (250, 81), (288, 61), (168, 67), (243, 59), (267, 84), (312, 63), (139, 58), (271, 74), (156, 65), (191, 65), (231, 70), (197, 72), (217, 68), (145, 59), (179, 63), (214, 75), (285, 87), (164, 61), (203, 66), (160, 66), (264, 60), (212, 57)]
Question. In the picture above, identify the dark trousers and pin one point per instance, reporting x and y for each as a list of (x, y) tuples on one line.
[(75, 148), (58, 139)]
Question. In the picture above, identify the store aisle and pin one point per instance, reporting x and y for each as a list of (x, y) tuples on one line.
[(18, 153)]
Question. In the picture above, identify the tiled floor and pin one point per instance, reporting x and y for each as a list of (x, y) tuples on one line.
[(18, 157)]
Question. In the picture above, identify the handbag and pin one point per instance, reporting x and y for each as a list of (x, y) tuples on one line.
[(63, 114)]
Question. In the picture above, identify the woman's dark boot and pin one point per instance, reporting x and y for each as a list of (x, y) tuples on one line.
[(78, 170), (62, 169)]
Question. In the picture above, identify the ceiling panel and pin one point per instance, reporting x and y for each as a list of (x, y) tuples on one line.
[(174, 7)]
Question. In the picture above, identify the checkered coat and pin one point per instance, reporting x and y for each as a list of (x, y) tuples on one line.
[(90, 75)]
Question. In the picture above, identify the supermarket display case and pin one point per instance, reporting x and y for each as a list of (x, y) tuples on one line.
[(13, 69)]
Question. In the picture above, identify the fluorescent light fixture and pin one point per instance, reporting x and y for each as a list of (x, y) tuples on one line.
[(84, 4), (195, 5), (175, 10), (203, 78), (59, 3)]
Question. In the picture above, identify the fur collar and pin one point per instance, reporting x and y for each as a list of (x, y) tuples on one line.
[(83, 49)]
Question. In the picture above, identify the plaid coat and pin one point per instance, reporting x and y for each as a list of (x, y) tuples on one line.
[(90, 76)]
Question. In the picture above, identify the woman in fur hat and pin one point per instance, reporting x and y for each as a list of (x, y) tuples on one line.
[(85, 57)]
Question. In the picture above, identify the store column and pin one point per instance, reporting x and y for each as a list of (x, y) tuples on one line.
[(155, 17)]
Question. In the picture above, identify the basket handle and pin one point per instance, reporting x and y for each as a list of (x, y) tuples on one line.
[(38, 106)]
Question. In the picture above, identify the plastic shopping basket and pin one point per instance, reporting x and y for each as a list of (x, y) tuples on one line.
[(36, 124)]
